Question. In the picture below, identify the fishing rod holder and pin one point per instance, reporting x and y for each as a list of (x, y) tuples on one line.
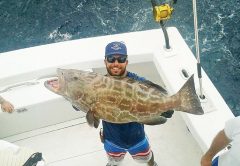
[(162, 13)]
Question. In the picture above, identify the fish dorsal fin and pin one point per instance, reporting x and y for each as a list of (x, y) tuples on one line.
[(147, 82), (155, 86)]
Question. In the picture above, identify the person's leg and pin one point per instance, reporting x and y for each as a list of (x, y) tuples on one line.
[(142, 153), (151, 162), (115, 153)]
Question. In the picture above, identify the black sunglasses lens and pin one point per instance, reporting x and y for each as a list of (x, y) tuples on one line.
[(112, 59), (122, 59)]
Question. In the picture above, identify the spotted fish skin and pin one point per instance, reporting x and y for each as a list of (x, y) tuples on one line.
[(123, 100)]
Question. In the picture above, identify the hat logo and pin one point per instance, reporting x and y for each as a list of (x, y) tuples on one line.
[(116, 46)]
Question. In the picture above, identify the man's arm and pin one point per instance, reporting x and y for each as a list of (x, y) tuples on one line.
[(219, 142)]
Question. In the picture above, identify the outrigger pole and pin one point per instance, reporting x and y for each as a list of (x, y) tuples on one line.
[(161, 14), (197, 49)]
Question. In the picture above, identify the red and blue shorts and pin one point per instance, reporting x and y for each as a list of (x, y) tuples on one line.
[(140, 152)]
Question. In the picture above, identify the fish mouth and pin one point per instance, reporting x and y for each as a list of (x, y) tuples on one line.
[(53, 85), (56, 84)]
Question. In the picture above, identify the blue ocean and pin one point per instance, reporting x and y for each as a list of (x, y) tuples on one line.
[(26, 23)]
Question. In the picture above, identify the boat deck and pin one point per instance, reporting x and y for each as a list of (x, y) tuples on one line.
[(78, 144), (47, 123)]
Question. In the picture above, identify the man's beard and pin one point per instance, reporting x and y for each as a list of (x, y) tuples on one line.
[(121, 74)]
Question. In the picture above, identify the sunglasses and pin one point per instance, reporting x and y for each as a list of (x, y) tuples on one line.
[(120, 59)]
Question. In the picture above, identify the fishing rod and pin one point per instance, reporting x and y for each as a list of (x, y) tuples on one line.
[(161, 14)]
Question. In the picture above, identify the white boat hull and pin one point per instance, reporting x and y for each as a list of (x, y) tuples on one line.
[(147, 57)]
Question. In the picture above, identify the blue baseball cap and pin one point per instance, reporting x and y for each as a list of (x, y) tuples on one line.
[(115, 48)]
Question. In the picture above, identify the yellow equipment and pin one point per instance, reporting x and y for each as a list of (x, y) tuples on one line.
[(162, 12)]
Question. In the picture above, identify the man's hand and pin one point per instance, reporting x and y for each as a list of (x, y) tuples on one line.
[(7, 106)]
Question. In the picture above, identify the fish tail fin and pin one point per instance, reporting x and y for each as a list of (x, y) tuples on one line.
[(190, 102)]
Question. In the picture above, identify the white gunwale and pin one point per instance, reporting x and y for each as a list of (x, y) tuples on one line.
[(46, 114)]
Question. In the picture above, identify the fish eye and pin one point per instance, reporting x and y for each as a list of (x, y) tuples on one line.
[(75, 78)]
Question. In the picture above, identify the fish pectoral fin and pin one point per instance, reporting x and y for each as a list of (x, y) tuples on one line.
[(155, 121), (91, 120)]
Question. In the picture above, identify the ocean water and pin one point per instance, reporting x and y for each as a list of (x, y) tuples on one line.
[(26, 23)]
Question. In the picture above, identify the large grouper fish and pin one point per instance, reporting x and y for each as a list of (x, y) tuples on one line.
[(121, 100)]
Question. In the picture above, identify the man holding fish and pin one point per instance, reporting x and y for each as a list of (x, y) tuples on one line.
[(125, 102), (127, 137)]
